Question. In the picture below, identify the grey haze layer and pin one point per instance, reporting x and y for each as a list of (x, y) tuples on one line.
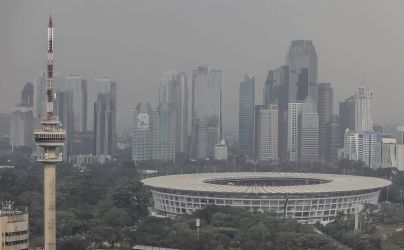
[(133, 42)]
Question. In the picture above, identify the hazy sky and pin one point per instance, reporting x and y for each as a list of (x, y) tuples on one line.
[(134, 41)]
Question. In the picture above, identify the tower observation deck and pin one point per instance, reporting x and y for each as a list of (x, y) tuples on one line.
[(50, 137)]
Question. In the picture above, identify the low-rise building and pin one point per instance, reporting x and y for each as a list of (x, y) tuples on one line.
[(13, 228), (388, 154)]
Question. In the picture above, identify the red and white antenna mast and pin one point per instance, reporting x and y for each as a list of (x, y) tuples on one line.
[(49, 85)]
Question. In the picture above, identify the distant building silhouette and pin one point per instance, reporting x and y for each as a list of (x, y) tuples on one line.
[(247, 116), (105, 137), (174, 92), (325, 109), (347, 113), (206, 111), (302, 61)]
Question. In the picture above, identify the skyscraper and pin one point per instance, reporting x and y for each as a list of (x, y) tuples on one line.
[(39, 99), (78, 85), (163, 133), (266, 132), (21, 127), (105, 137), (174, 91), (364, 109), (141, 133), (27, 95), (325, 110), (302, 61), (21, 121), (64, 111), (49, 137), (308, 132), (336, 139), (246, 116), (276, 90), (206, 111), (347, 113), (294, 111)]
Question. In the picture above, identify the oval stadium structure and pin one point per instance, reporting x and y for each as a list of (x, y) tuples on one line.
[(309, 198)]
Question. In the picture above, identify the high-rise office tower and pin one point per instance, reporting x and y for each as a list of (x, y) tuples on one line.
[(364, 109), (347, 113), (141, 133), (206, 111), (336, 138), (27, 95), (246, 116), (21, 127), (78, 86), (276, 90), (302, 61), (105, 137), (294, 111), (49, 138), (163, 128), (325, 110), (174, 91), (64, 110), (266, 132), (308, 132)]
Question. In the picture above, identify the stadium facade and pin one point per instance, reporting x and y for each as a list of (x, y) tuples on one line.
[(309, 198)]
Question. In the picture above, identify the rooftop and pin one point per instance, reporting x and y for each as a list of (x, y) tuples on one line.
[(266, 182)]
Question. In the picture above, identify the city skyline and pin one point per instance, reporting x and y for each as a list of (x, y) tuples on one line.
[(340, 65)]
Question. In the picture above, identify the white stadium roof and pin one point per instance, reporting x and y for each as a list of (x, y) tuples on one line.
[(199, 183)]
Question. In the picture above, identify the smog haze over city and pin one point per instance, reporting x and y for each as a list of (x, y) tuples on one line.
[(203, 124), (133, 42)]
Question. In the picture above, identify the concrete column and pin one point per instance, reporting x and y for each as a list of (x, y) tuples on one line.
[(50, 206)]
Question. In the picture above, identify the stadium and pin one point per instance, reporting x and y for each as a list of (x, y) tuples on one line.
[(309, 198)]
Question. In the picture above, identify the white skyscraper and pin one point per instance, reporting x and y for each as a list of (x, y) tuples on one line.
[(174, 91), (294, 110), (364, 109), (206, 111), (141, 133), (266, 132), (308, 132)]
